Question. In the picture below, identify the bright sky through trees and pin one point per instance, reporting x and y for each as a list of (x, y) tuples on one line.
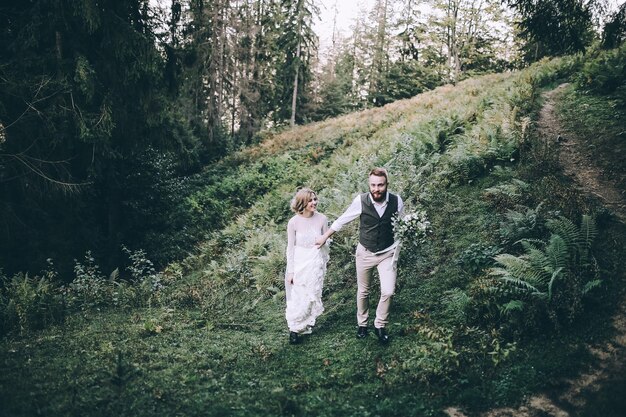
[(346, 12)]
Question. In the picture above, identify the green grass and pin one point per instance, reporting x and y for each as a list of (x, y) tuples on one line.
[(214, 341), (601, 123), (109, 364)]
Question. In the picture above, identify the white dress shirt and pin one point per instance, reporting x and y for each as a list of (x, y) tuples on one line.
[(354, 210)]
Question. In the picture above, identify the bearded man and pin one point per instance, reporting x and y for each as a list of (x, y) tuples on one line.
[(376, 249)]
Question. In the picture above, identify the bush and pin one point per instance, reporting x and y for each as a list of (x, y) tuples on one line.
[(90, 288), (551, 276), (524, 223), (30, 303), (606, 73), (148, 281), (477, 257)]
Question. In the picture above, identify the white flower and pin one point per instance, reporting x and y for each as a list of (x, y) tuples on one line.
[(412, 228)]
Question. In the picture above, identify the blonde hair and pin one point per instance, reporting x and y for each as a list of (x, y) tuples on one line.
[(301, 199)]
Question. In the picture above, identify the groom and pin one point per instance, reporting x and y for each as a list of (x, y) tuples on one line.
[(376, 248)]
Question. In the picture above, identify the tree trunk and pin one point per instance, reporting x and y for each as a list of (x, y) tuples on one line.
[(453, 51), (295, 89), (378, 61), (294, 97)]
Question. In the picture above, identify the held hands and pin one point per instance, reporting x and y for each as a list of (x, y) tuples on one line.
[(319, 242)]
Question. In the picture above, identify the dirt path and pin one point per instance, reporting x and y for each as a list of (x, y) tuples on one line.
[(572, 397), (575, 160)]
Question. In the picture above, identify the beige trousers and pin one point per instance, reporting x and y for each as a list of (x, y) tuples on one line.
[(366, 261)]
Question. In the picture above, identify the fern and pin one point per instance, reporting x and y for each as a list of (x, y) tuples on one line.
[(557, 252), (114, 275), (520, 286), (565, 228), (588, 233), (513, 266), (553, 278), (591, 285), (522, 224), (511, 306), (565, 257), (579, 240), (536, 243)]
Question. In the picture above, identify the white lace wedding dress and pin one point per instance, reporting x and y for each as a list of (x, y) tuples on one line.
[(307, 263)]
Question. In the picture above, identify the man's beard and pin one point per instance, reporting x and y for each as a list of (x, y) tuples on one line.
[(380, 198)]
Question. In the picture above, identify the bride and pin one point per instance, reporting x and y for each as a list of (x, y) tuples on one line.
[(306, 264)]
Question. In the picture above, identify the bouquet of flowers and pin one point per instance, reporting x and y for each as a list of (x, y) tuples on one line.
[(412, 228)]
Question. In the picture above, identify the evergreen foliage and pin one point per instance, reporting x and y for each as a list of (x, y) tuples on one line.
[(84, 112), (614, 32), (554, 28), (606, 73)]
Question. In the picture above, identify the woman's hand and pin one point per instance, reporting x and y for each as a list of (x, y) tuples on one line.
[(290, 278), (319, 242)]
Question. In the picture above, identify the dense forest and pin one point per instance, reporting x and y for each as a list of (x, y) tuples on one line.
[(149, 151), (110, 109)]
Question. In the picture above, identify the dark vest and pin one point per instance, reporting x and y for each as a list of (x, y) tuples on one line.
[(376, 233)]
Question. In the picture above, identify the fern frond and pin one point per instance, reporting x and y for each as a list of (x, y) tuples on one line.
[(114, 275), (511, 306), (588, 233), (555, 275), (520, 285), (528, 244), (591, 285), (565, 228), (538, 243), (540, 267), (588, 230), (515, 266), (557, 252)]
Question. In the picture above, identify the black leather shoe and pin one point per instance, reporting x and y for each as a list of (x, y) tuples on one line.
[(382, 335), (361, 333), (293, 338)]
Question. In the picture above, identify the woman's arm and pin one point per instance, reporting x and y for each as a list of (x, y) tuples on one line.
[(291, 244)]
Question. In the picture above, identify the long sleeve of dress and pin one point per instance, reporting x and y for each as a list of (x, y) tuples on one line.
[(291, 244), (325, 225)]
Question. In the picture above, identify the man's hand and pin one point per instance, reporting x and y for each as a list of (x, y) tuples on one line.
[(319, 242)]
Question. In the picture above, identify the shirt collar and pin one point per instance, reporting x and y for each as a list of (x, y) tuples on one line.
[(381, 203)]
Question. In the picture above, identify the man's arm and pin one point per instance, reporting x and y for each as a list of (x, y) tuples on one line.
[(352, 212)]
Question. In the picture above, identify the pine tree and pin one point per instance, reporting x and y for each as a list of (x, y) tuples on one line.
[(82, 99), (554, 27)]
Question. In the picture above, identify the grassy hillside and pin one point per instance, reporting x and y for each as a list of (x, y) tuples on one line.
[(207, 336)]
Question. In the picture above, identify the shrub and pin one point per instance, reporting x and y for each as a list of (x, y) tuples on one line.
[(606, 73), (553, 276), (148, 281), (523, 223), (477, 257), (30, 303), (90, 288)]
